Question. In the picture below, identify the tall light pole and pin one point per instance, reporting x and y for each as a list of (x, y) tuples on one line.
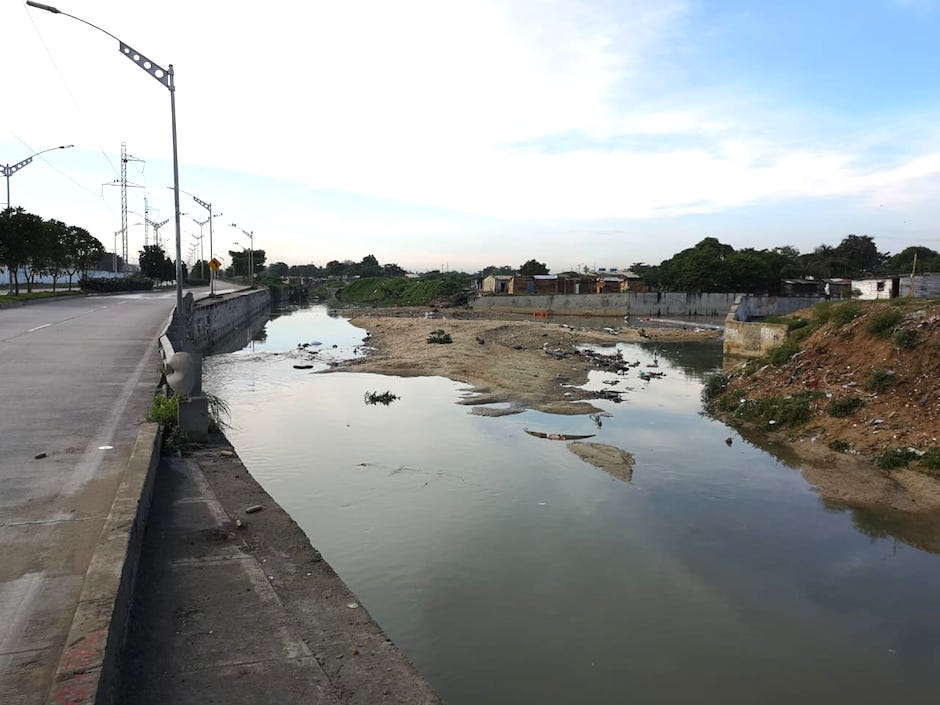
[(202, 261), (251, 253), (10, 169), (208, 207), (165, 77)]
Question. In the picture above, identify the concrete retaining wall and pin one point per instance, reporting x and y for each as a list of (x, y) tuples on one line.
[(744, 339), (650, 304), (751, 307), (215, 319)]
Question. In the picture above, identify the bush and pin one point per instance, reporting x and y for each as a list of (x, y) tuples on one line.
[(846, 406), (839, 446), (714, 386), (112, 284), (846, 313), (440, 337), (789, 348), (385, 398), (895, 458), (165, 409), (906, 338), (883, 322), (880, 380)]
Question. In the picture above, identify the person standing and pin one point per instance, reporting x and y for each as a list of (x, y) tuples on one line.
[(828, 293)]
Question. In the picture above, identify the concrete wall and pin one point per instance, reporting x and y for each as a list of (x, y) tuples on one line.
[(744, 339), (751, 307), (613, 304), (218, 318)]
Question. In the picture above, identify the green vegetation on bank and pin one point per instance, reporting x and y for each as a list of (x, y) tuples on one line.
[(433, 289)]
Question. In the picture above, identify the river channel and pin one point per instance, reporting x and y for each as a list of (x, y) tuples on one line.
[(511, 571)]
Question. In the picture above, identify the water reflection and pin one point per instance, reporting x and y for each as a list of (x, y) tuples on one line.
[(511, 571)]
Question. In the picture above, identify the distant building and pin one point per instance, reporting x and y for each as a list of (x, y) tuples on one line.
[(877, 288), (496, 284)]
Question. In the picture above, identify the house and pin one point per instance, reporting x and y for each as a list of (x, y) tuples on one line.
[(926, 286)]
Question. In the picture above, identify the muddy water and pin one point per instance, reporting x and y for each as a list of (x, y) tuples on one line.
[(511, 571)]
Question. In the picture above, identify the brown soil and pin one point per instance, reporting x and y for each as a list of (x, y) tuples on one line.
[(524, 363), (838, 361)]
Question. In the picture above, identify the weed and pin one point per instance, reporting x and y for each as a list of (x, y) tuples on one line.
[(895, 458), (882, 323), (782, 411), (846, 313), (791, 322), (839, 446), (165, 409), (906, 338), (715, 385), (219, 414), (789, 348), (930, 462), (440, 337), (880, 380), (822, 312), (846, 406), (386, 398)]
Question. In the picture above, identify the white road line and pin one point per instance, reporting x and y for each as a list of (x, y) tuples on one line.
[(44, 325)]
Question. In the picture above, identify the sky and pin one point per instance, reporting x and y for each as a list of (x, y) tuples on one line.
[(468, 133)]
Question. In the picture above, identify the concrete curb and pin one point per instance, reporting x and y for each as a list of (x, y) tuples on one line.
[(89, 667)]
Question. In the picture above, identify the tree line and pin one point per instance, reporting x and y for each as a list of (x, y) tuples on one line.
[(36, 247)]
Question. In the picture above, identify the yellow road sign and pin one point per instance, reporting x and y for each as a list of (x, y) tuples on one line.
[(215, 265)]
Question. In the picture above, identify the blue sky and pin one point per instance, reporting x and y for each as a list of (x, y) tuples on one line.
[(469, 133)]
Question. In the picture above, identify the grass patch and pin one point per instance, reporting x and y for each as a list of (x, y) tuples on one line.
[(714, 386), (895, 458), (789, 348), (882, 323), (783, 411), (440, 337), (906, 338), (846, 313), (880, 380), (839, 446), (31, 296), (846, 406)]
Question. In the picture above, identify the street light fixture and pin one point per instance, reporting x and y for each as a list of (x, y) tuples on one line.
[(165, 77), (251, 253), (10, 169)]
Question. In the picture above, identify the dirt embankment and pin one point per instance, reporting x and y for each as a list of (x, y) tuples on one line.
[(526, 364), (870, 380)]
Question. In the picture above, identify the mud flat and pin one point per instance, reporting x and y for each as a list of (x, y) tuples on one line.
[(527, 364)]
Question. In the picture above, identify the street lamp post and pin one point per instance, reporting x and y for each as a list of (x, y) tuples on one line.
[(165, 77), (202, 261), (208, 207), (10, 169), (251, 253)]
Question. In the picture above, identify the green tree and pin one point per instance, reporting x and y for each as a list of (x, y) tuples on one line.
[(19, 231), (393, 270), (82, 250), (278, 269), (860, 255), (927, 260), (533, 267), (370, 267), (151, 262)]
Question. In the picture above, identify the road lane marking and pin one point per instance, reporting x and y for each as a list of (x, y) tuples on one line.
[(44, 325)]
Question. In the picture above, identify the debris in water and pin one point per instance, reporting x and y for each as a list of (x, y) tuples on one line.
[(558, 436), (385, 398), (303, 367), (253, 508), (39, 456)]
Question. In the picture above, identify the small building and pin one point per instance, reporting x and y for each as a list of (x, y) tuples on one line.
[(877, 288), (536, 284), (496, 284)]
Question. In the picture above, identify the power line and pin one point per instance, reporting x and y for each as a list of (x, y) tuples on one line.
[(71, 95)]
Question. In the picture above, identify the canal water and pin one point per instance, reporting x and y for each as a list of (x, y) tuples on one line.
[(510, 571)]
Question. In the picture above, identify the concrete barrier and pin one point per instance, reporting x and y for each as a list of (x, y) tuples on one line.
[(214, 319), (746, 339), (88, 670)]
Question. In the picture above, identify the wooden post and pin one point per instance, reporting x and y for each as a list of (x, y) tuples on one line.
[(910, 294)]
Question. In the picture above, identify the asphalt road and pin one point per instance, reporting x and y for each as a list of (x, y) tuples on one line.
[(76, 378)]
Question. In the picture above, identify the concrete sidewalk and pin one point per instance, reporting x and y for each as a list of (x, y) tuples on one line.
[(237, 607)]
